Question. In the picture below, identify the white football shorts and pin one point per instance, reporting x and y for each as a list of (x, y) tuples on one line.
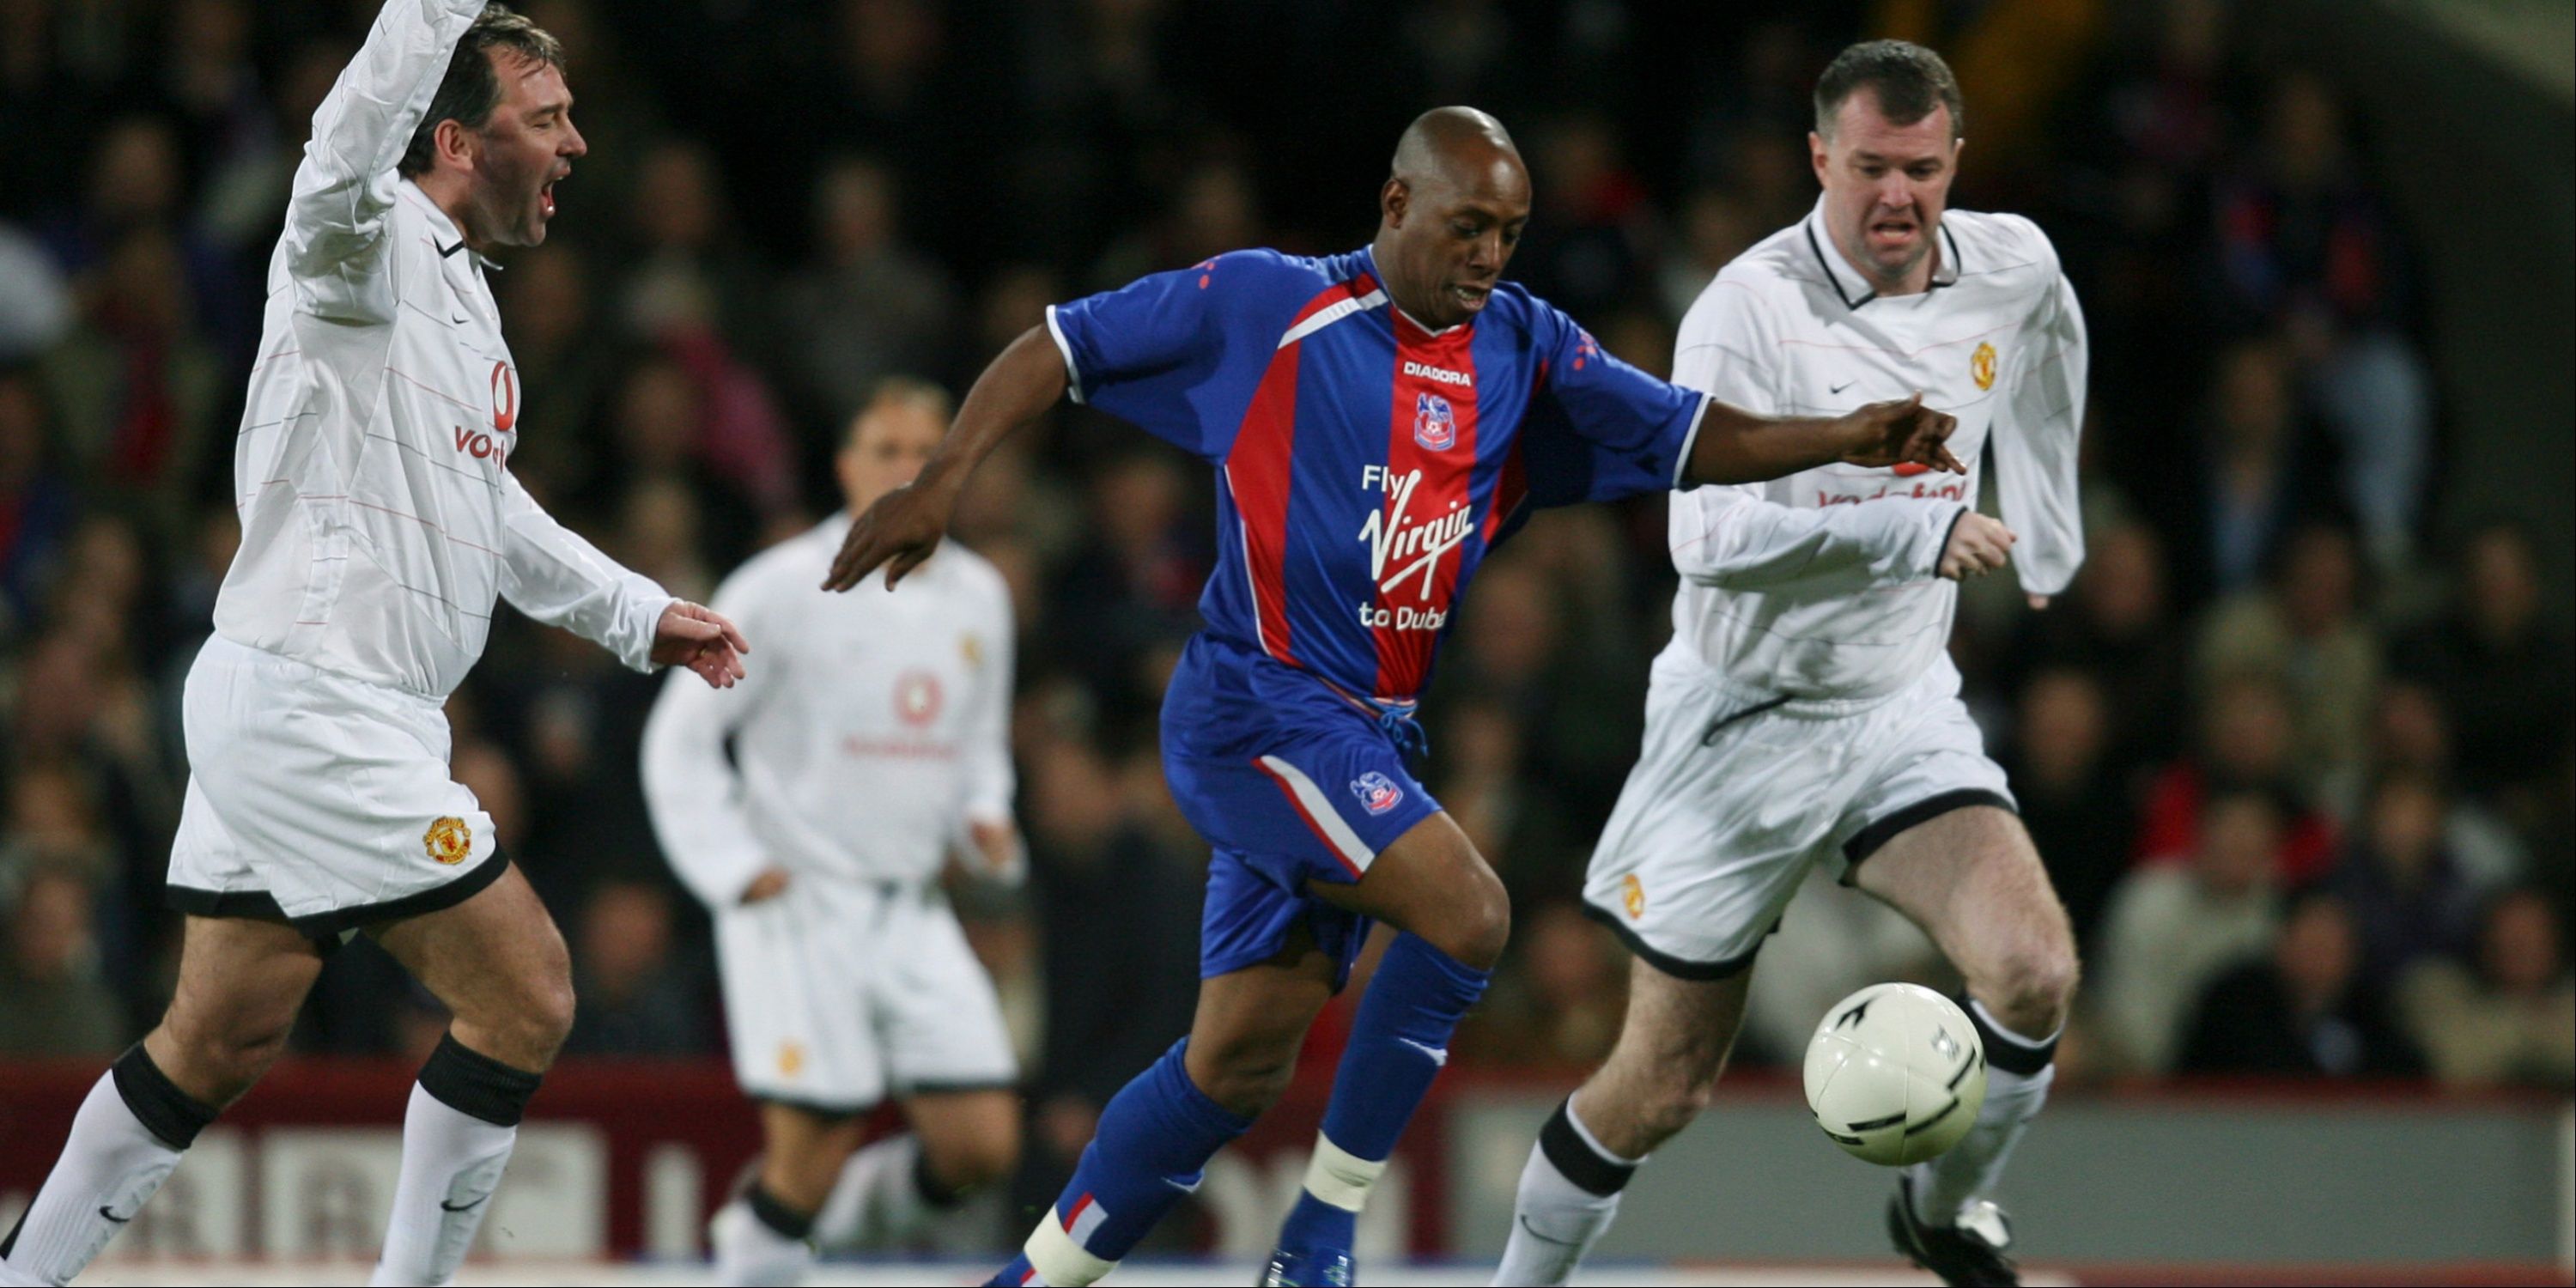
[(839, 993), (319, 800), (1732, 799)]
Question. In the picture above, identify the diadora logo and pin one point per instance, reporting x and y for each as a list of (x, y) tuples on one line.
[(1435, 425), (1377, 792), (1402, 546), (1441, 374)]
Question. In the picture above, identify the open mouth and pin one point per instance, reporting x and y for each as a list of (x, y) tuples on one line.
[(1470, 298), (546, 200), (1893, 230)]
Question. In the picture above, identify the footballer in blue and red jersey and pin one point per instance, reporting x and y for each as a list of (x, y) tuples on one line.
[(1365, 465)]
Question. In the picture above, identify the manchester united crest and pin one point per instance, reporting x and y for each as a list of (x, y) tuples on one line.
[(448, 840), (1981, 365), (1632, 892)]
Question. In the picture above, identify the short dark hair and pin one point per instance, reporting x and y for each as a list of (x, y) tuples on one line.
[(1909, 79), (472, 88)]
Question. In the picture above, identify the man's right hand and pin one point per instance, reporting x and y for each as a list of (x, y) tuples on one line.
[(771, 883), (1978, 545), (898, 532)]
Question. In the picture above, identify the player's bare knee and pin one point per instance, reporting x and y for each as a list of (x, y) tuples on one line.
[(2032, 988), (973, 1162), (1248, 1079), (1476, 925), (1671, 1106)]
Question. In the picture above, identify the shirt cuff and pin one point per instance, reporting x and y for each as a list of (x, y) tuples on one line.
[(1681, 463), (1072, 371)]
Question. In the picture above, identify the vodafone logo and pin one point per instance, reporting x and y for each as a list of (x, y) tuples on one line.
[(482, 446), (1442, 374), (505, 398), (917, 698)]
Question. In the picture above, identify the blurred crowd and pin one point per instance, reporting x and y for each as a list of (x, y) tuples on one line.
[(2300, 764)]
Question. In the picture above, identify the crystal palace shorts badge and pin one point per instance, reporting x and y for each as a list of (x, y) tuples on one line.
[(1377, 793), (1435, 426), (448, 840)]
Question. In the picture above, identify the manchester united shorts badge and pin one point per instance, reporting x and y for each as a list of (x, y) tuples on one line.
[(448, 840), (1981, 365), (1632, 892)]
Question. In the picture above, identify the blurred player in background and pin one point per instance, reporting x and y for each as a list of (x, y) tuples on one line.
[(1378, 420), (873, 743), (1807, 710), (379, 525)]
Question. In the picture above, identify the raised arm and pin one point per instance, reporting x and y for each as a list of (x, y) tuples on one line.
[(346, 182), (905, 525)]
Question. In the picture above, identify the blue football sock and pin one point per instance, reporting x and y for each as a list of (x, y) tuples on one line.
[(1151, 1147), (1399, 1041)]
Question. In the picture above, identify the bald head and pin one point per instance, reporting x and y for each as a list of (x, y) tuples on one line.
[(1456, 144), (1450, 214)]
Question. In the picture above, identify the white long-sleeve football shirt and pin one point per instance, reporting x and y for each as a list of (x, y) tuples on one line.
[(379, 519), (874, 729), (1823, 585)]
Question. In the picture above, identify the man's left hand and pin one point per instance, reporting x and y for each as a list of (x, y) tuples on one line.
[(700, 639)]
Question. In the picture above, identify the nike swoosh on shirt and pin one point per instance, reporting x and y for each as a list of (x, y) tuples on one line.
[(1439, 1055), (445, 1206), (1843, 386), (120, 1220)]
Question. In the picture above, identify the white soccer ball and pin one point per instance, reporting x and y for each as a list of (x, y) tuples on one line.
[(1895, 1074)]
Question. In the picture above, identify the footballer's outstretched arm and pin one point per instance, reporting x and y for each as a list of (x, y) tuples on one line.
[(1736, 446), (345, 183), (905, 525)]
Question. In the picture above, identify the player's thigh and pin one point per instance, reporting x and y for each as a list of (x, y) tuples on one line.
[(1432, 882), (936, 1013), (1973, 881), (241, 981), (797, 971), (495, 960), (1714, 829), (1679, 1030)]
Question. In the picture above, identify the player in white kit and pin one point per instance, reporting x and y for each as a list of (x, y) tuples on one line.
[(873, 743), (1806, 710), (379, 526)]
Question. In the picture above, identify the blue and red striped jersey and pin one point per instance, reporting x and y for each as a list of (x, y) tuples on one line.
[(1365, 463)]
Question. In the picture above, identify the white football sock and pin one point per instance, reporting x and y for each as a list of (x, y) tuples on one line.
[(751, 1254), (451, 1163), (1943, 1187), (1568, 1196), (877, 1198), (109, 1166)]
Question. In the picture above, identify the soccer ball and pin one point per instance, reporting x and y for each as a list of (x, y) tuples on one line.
[(1895, 1074)]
